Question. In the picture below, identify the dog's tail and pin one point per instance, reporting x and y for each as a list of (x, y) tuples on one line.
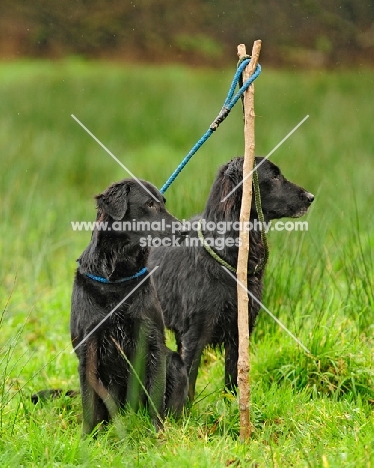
[(52, 394)]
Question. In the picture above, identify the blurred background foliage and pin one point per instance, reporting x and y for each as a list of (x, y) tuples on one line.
[(305, 33)]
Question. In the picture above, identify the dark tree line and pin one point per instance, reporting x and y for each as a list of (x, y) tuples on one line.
[(303, 32)]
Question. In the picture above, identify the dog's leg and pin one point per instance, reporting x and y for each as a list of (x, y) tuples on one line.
[(231, 366), (191, 356), (194, 341), (97, 402), (176, 383), (192, 376), (156, 390), (94, 410), (147, 372)]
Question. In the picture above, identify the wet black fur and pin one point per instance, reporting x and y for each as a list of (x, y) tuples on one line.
[(136, 327), (198, 298)]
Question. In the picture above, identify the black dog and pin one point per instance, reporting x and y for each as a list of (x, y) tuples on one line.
[(198, 298), (119, 344)]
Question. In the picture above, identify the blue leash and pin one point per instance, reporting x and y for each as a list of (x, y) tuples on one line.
[(229, 103)]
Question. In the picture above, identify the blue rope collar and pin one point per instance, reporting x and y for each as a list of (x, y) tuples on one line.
[(100, 279)]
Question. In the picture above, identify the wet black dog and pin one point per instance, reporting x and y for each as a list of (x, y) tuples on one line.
[(117, 328), (199, 298)]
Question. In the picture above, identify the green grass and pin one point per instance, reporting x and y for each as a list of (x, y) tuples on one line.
[(306, 410)]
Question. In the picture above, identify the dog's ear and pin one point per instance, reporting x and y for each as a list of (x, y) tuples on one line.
[(114, 201), (234, 170)]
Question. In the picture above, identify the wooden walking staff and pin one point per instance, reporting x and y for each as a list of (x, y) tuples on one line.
[(243, 311)]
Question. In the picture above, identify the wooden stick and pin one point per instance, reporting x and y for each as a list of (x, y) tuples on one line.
[(243, 311)]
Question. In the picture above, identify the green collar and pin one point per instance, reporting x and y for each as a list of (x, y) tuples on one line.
[(259, 266), (212, 252), (220, 260)]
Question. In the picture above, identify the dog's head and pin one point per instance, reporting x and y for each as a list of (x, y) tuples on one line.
[(280, 198), (135, 208)]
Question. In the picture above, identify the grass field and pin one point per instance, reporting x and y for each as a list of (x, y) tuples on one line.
[(307, 410)]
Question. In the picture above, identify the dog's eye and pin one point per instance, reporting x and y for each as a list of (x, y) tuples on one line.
[(150, 204), (275, 177)]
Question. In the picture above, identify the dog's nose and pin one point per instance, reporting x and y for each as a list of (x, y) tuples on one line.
[(310, 196)]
